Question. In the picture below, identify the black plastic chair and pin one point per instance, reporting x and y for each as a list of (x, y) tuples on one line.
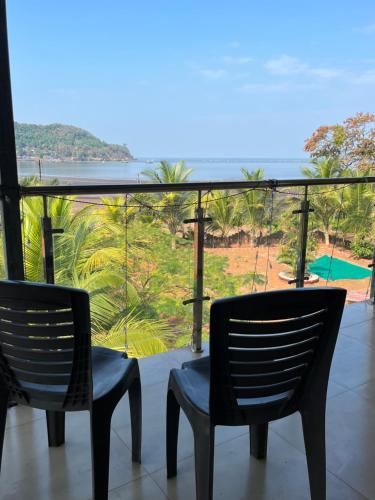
[(46, 361), (270, 356)]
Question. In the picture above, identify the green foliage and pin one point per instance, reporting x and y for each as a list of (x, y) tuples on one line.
[(173, 207), (64, 142), (362, 247), (253, 203), (224, 212), (325, 202), (290, 249), (357, 208), (339, 135), (166, 173)]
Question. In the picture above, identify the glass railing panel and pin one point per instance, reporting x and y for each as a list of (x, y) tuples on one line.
[(136, 255), (136, 261), (343, 228)]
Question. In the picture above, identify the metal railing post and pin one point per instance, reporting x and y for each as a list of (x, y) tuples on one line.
[(198, 298), (301, 265), (48, 232), (198, 276), (10, 199), (372, 285)]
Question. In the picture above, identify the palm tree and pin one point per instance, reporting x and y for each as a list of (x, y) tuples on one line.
[(173, 205), (325, 201), (253, 203), (86, 257), (358, 207), (165, 173), (224, 211), (290, 249)]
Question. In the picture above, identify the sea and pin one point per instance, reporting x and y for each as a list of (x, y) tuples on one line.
[(203, 169)]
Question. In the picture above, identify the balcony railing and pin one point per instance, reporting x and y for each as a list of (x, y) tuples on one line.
[(200, 222)]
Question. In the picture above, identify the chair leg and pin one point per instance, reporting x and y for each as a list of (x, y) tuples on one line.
[(173, 417), (204, 443), (101, 416), (55, 427), (258, 440), (313, 424), (135, 403), (3, 418)]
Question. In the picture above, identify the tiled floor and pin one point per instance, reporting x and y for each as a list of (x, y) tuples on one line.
[(33, 471)]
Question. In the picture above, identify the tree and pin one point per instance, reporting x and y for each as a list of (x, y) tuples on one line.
[(172, 205), (324, 201), (358, 209), (253, 203), (290, 250), (224, 211), (352, 144), (89, 255)]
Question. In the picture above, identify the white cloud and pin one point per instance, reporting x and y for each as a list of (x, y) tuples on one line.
[(275, 88), (367, 30), (237, 60), (324, 72), (367, 77), (254, 88), (287, 65), (284, 65), (212, 74), (208, 73)]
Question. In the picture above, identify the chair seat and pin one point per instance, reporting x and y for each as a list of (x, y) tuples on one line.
[(193, 382), (109, 368)]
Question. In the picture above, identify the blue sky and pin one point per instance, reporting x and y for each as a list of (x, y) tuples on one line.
[(193, 78)]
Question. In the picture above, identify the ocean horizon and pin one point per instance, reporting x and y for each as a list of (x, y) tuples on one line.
[(203, 169)]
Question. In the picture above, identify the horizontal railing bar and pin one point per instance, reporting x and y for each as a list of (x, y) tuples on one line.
[(185, 186)]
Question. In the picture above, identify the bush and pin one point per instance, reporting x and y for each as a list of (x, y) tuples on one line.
[(362, 248)]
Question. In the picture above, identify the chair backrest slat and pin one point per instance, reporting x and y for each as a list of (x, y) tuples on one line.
[(246, 368), (273, 326), (37, 330), (37, 317), (45, 344), (42, 378), (259, 391), (249, 340), (271, 354), (47, 356), (31, 342), (265, 345), (27, 365), (267, 378)]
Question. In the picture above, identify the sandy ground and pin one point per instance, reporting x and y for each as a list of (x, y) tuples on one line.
[(241, 260)]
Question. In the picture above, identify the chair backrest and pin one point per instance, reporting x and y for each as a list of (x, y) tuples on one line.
[(45, 355), (268, 349)]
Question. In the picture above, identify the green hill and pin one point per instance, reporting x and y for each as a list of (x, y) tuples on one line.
[(64, 142)]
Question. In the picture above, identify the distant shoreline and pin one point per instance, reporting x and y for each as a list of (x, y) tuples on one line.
[(68, 181), (64, 160), (171, 159)]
